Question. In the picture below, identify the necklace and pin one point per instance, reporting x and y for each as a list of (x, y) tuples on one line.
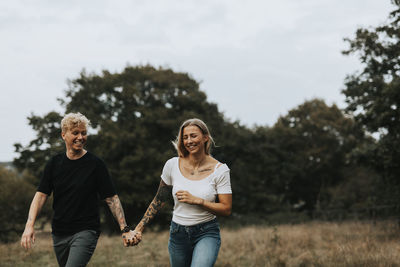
[(193, 170)]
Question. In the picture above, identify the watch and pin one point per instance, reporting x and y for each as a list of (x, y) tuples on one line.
[(126, 229)]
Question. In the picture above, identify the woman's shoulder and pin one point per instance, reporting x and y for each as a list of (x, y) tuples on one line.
[(172, 161), (221, 167)]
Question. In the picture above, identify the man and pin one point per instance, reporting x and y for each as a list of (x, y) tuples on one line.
[(77, 178)]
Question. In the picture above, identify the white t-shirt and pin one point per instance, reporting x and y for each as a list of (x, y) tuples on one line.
[(216, 183)]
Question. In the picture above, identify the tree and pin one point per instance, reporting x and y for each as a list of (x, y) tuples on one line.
[(373, 98), (135, 115), (315, 143)]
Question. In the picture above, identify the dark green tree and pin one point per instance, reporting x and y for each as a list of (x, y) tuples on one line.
[(315, 141), (135, 115), (373, 98)]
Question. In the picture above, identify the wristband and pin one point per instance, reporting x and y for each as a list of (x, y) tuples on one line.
[(126, 229)]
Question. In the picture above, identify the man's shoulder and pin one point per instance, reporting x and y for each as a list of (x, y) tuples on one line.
[(57, 157), (94, 158)]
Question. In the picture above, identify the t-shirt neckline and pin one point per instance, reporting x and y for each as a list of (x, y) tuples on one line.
[(75, 160), (179, 170)]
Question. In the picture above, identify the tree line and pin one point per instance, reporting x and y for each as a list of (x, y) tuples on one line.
[(317, 157)]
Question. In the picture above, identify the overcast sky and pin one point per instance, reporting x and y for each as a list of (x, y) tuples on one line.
[(255, 59)]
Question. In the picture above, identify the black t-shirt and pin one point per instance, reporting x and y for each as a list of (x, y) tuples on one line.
[(77, 185)]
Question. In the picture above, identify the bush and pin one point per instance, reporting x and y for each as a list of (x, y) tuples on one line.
[(15, 197)]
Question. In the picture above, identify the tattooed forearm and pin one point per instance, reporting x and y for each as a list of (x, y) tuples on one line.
[(116, 209), (163, 194)]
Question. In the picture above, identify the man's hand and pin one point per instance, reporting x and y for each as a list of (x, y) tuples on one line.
[(131, 238), (28, 237)]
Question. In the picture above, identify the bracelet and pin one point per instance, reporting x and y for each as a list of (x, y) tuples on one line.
[(126, 229)]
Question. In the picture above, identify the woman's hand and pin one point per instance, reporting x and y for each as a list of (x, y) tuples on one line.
[(131, 238), (186, 197)]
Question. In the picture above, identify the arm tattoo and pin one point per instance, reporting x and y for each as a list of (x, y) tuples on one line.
[(116, 209), (163, 194)]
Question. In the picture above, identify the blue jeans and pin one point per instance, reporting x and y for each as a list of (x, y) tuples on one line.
[(194, 246)]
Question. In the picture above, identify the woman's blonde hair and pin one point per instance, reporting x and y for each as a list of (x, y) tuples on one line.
[(178, 143), (72, 120)]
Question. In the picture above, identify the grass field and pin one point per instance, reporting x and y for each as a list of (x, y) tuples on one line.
[(310, 244)]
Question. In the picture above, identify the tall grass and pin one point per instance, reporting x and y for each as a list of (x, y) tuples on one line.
[(310, 244)]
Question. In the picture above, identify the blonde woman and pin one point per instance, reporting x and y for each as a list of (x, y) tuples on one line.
[(196, 181)]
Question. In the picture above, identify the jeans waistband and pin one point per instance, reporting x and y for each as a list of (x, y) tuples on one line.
[(196, 225)]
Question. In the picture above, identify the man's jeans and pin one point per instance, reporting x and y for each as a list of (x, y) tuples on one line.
[(75, 250), (195, 246)]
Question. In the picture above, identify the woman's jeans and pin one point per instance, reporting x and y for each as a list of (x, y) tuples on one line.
[(194, 246)]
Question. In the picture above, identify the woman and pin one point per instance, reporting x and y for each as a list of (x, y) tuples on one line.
[(196, 180), (77, 178)]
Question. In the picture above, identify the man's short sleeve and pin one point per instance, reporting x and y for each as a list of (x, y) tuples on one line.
[(45, 185), (105, 185)]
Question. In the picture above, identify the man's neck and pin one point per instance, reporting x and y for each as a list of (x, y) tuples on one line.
[(75, 154)]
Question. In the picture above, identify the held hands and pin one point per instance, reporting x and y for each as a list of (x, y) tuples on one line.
[(186, 197), (131, 238), (28, 237)]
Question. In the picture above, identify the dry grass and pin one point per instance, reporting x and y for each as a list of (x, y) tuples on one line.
[(311, 244)]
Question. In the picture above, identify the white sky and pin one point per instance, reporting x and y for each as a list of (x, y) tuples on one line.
[(256, 58)]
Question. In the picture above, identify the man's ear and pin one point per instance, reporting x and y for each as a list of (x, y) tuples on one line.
[(63, 135)]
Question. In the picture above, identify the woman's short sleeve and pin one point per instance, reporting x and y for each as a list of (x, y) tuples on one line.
[(223, 180), (167, 170)]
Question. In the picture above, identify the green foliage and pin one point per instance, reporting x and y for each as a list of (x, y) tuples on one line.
[(15, 197), (47, 142), (373, 97), (315, 143), (135, 116)]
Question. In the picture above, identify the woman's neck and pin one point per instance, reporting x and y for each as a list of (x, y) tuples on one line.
[(196, 160)]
